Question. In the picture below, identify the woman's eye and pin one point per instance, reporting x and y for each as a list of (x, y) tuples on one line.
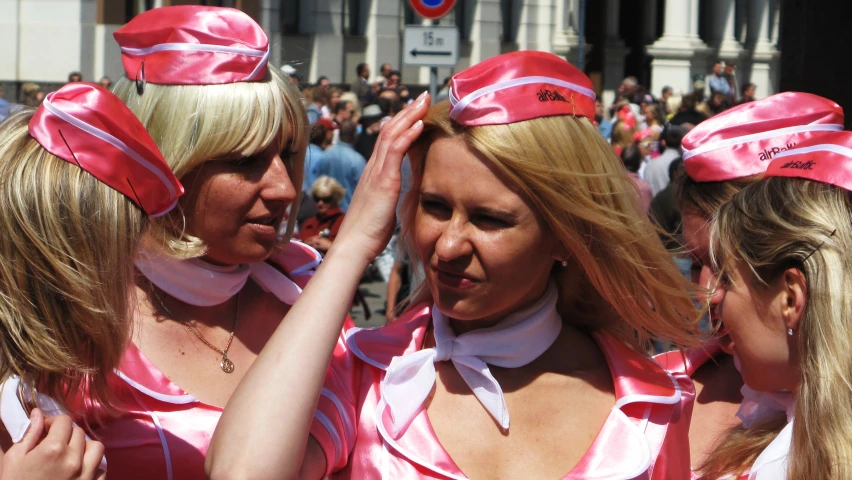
[(490, 222), (433, 206), (246, 161)]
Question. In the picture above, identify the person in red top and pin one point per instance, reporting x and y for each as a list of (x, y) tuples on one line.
[(320, 230)]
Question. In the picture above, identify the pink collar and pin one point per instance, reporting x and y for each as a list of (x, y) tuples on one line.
[(637, 379)]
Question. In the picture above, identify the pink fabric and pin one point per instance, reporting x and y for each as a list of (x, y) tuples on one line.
[(644, 437), (166, 28), (520, 86), (134, 448), (727, 146), (84, 124), (827, 159)]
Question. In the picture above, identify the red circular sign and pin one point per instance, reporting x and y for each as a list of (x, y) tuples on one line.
[(432, 9)]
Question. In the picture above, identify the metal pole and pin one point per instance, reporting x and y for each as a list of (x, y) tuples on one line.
[(433, 74), (581, 32)]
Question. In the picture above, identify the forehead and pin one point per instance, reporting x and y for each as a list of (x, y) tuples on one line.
[(456, 172)]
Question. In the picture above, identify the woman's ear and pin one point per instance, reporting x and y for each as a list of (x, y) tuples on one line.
[(560, 252), (794, 295)]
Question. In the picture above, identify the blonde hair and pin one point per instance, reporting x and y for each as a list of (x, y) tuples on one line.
[(622, 135), (193, 124), (771, 226), (67, 244), (623, 281), (329, 186)]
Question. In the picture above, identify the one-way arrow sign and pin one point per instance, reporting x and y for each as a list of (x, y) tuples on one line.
[(431, 45), (416, 52)]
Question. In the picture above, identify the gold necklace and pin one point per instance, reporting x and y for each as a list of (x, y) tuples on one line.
[(226, 364)]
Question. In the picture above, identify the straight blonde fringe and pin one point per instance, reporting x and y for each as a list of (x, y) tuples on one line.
[(193, 124)]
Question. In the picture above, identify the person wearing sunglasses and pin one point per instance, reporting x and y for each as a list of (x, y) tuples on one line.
[(319, 231)]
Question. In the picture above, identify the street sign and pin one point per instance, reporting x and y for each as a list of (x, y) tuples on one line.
[(431, 46), (432, 9)]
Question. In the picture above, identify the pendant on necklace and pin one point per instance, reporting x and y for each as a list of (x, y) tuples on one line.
[(226, 364)]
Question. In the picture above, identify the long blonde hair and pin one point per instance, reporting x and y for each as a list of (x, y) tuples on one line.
[(623, 280), (783, 223), (67, 243), (193, 124)]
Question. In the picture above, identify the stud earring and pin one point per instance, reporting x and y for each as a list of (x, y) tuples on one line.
[(790, 332), (564, 263)]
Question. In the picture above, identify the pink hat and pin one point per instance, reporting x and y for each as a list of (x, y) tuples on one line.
[(741, 141), (827, 159), (519, 86), (193, 45), (84, 124)]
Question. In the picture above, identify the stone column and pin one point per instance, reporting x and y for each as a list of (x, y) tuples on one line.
[(327, 49), (762, 37), (537, 26), (614, 53), (679, 53), (384, 41), (486, 31), (723, 37)]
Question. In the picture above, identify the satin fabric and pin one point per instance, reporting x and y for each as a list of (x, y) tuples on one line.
[(514, 342), (165, 432), (644, 437), (724, 147), (84, 124), (556, 88), (827, 159), (194, 25)]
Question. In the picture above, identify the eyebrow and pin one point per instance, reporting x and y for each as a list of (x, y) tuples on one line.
[(480, 210)]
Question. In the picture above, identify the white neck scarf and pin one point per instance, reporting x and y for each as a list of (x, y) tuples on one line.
[(516, 341), (203, 284), (758, 407)]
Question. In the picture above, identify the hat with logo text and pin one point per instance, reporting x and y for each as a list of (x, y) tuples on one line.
[(827, 159), (740, 142), (519, 86)]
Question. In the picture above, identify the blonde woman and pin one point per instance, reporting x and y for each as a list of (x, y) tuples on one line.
[(523, 356), (78, 179), (320, 230), (210, 296), (722, 155), (782, 246)]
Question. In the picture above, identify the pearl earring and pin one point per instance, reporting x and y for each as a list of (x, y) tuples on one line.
[(564, 263), (790, 332)]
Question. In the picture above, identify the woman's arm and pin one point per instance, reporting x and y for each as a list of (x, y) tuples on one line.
[(263, 432)]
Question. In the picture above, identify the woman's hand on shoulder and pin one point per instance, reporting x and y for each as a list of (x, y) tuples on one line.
[(371, 217), (53, 448)]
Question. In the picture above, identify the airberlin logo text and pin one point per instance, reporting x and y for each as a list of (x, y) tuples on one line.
[(809, 165), (550, 96), (768, 153)]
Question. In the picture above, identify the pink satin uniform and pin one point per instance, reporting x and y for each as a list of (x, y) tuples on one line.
[(165, 432), (644, 437)]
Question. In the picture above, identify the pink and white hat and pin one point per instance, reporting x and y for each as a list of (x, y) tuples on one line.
[(193, 45), (519, 86), (827, 160), (84, 124), (741, 142)]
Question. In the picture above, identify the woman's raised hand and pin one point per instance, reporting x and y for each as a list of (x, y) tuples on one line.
[(53, 448), (371, 217)]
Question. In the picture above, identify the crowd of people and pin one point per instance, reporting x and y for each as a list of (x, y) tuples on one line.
[(170, 309)]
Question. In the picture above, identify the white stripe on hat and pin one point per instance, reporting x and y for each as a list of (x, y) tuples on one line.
[(106, 137), (196, 47), (730, 142), (460, 105), (825, 147)]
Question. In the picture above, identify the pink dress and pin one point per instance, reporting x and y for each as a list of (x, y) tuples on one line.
[(165, 431), (644, 437), (687, 363)]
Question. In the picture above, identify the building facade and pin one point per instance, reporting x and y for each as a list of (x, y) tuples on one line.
[(661, 42)]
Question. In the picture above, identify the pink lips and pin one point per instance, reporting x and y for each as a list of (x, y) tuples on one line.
[(454, 280)]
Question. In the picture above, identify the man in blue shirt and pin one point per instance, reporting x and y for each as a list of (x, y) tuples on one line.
[(718, 82), (343, 163)]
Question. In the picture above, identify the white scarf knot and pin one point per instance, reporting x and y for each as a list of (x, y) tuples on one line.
[(516, 341)]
